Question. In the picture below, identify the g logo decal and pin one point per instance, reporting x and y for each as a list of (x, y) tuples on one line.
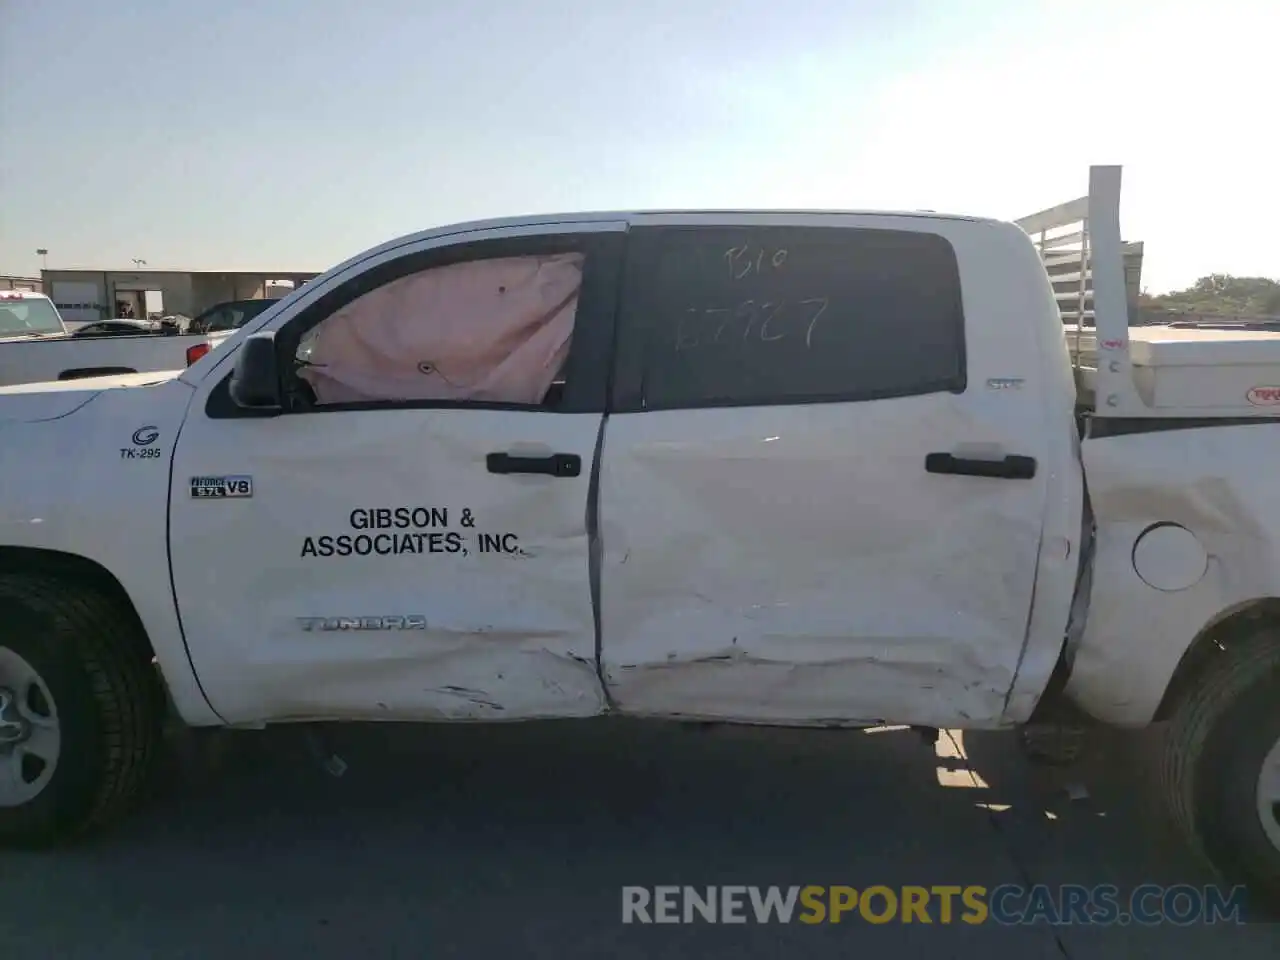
[(145, 436)]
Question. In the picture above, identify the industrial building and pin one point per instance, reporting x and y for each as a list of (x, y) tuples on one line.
[(9, 282), (84, 296)]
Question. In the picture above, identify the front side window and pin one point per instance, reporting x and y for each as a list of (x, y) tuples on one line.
[(495, 330), (768, 315)]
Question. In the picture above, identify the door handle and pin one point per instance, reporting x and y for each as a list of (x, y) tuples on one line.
[(555, 465), (1011, 467)]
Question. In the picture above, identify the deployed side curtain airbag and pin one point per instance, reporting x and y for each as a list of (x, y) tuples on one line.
[(489, 330)]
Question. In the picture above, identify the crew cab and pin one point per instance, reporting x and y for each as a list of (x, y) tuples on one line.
[(36, 346), (793, 468)]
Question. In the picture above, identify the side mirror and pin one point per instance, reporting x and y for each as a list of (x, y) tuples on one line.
[(255, 381)]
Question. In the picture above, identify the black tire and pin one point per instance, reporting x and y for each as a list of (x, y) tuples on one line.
[(1213, 752), (92, 655)]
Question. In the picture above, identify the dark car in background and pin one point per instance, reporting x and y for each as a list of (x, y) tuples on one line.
[(228, 315), (120, 328)]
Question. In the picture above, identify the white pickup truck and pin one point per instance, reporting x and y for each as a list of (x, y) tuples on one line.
[(36, 346), (816, 469)]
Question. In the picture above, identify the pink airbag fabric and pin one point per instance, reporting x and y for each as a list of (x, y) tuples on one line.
[(490, 330)]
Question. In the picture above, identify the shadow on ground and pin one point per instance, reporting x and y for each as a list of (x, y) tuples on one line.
[(515, 840)]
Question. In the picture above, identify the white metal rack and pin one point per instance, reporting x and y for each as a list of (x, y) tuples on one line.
[(1143, 371)]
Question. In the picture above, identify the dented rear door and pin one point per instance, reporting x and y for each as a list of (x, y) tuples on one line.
[(806, 510)]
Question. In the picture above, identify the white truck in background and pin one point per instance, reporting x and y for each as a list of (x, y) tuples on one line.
[(811, 469), (36, 346)]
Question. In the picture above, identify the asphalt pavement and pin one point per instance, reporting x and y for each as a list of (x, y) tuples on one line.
[(516, 841)]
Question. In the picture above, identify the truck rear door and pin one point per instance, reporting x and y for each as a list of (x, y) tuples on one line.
[(824, 477)]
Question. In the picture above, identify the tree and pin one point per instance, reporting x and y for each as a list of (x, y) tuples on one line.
[(1221, 293)]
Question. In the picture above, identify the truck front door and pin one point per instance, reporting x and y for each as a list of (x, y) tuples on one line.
[(359, 556), (792, 526)]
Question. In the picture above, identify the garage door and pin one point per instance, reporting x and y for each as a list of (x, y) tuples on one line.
[(77, 301)]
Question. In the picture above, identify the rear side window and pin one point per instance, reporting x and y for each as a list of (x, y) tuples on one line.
[(769, 315)]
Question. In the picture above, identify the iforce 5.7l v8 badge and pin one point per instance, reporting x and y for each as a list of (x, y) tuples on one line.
[(203, 488)]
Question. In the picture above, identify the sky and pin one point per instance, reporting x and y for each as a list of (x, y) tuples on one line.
[(291, 134)]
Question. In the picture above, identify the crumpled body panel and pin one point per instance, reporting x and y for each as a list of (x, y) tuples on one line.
[(484, 575), (1220, 483), (798, 565)]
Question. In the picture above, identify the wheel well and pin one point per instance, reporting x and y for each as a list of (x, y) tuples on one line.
[(73, 569), (1213, 640)]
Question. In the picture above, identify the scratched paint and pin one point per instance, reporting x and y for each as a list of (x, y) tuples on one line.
[(799, 565), (495, 677), (508, 635)]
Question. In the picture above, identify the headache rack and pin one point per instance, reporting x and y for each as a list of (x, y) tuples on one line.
[(1192, 368)]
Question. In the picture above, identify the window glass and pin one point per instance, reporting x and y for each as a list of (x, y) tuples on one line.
[(777, 315)]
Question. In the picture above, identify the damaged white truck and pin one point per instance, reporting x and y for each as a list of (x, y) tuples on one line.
[(812, 469)]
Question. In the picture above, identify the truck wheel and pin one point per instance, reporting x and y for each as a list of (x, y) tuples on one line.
[(1221, 765), (80, 710)]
